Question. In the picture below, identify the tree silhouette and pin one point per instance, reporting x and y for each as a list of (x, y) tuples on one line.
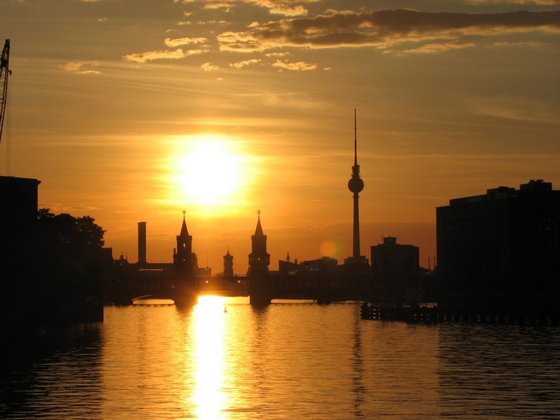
[(54, 268)]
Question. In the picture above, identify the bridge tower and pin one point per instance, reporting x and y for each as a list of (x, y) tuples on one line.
[(183, 257), (185, 267), (228, 265), (259, 259)]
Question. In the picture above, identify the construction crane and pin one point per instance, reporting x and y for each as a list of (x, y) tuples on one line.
[(4, 73)]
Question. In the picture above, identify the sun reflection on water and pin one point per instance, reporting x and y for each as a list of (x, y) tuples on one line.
[(209, 319)]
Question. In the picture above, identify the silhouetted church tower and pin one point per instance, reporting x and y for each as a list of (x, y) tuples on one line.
[(259, 259), (183, 257), (356, 185), (228, 265)]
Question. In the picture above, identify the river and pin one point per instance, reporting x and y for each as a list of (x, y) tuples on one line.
[(224, 359)]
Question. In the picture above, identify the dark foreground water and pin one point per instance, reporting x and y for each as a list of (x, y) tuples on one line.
[(223, 359)]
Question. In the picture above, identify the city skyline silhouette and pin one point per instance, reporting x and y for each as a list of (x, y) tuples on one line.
[(371, 182), (125, 124)]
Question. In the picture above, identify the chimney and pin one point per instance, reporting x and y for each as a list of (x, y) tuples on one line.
[(141, 242)]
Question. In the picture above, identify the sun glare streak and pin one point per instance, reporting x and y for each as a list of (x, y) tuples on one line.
[(209, 397), (210, 174)]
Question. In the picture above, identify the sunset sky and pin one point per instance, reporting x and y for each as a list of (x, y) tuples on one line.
[(135, 110)]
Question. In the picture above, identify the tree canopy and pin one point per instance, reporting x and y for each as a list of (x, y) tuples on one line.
[(57, 264)]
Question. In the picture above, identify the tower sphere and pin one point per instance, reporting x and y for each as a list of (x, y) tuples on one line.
[(355, 184)]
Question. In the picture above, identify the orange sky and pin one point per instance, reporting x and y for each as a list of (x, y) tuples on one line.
[(116, 106)]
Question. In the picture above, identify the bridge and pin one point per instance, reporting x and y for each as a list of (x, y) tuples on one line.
[(223, 286), (261, 290)]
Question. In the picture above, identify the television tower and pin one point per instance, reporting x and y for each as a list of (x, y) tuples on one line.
[(356, 185)]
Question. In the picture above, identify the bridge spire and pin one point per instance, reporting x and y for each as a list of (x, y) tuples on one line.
[(259, 259), (184, 258)]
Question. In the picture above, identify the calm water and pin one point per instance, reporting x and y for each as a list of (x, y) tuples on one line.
[(287, 361)]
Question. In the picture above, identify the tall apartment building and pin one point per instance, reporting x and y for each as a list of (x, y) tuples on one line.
[(502, 247)]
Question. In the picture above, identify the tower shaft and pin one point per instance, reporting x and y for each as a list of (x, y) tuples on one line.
[(356, 230)]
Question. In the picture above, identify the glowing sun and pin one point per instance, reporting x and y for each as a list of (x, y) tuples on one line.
[(209, 171)]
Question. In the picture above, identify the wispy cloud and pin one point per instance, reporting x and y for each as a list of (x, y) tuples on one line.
[(176, 42), (513, 108), (244, 42), (283, 7), (245, 63), (224, 5), (163, 55), (384, 29), (289, 8), (81, 67), (533, 44), (278, 54), (438, 47), (294, 100), (209, 67), (295, 66)]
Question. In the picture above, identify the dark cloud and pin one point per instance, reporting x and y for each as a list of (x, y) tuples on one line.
[(381, 28)]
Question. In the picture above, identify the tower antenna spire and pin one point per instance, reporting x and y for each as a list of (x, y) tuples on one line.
[(355, 140)]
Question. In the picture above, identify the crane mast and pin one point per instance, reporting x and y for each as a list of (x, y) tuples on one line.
[(4, 73)]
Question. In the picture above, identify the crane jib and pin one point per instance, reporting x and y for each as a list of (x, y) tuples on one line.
[(4, 72)]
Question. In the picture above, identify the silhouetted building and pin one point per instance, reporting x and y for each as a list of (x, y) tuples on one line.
[(259, 259), (122, 261), (107, 253), (501, 249), (228, 265), (184, 259), (288, 267), (393, 259), (321, 267), (142, 243), (324, 266), (396, 269), (18, 209), (203, 271), (356, 185)]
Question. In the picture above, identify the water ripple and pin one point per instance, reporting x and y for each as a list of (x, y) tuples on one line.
[(282, 362)]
